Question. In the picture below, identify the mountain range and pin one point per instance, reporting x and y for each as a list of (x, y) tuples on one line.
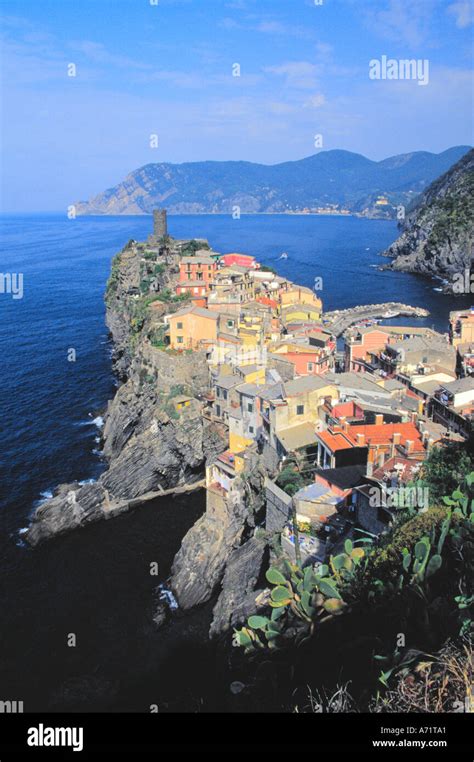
[(330, 179)]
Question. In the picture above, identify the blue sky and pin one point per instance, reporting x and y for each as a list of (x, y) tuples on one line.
[(166, 69)]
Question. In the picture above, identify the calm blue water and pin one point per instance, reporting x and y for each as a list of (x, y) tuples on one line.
[(95, 581)]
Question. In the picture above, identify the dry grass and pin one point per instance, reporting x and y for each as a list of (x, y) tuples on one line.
[(340, 701), (441, 684)]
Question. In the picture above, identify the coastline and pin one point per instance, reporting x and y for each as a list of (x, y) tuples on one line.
[(77, 504)]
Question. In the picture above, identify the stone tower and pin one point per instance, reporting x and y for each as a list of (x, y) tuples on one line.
[(160, 227)]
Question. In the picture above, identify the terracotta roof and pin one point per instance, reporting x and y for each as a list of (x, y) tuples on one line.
[(383, 433), (338, 440), (374, 434)]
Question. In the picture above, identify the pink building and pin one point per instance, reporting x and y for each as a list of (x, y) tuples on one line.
[(359, 346), (242, 260)]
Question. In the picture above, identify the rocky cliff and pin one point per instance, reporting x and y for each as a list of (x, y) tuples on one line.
[(225, 552), (438, 232), (148, 446)]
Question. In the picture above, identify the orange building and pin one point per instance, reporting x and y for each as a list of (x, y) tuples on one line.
[(191, 327), (193, 287), (377, 442), (198, 268)]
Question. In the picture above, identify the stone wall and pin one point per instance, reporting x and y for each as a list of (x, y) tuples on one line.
[(278, 507), (172, 369)]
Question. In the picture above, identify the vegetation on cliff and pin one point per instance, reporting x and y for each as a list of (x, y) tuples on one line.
[(438, 233), (376, 614)]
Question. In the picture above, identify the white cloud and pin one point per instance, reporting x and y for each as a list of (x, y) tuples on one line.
[(462, 12), (406, 23), (98, 53), (298, 74), (315, 101)]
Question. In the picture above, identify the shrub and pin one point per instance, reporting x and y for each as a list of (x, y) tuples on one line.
[(290, 480), (446, 468)]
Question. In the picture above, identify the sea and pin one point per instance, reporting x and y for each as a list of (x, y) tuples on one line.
[(56, 378)]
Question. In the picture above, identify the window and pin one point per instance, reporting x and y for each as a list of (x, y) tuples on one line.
[(310, 367), (230, 323), (250, 407), (218, 410), (179, 339), (218, 392), (196, 290), (251, 429), (299, 409), (179, 326), (225, 394)]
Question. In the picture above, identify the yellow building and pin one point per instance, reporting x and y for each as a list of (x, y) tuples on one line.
[(251, 374), (222, 472), (237, 440), (293, 313), (181, 402), (299, 407), (300, 295), (191, 326)]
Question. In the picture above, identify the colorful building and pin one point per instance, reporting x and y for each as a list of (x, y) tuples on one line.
[(360, 344), (300, 312), (181, 402), (358, 443), (461, 327), (241, 260), (300, 295), (190, 327), (308, 360), (200, 267), (195, 288)]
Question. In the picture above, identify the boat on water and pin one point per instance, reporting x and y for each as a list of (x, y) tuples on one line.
[(284, 255)]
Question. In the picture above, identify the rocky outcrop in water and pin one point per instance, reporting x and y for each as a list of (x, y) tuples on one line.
[(242, 584), (438, 233), (148, 446), (224, 551)]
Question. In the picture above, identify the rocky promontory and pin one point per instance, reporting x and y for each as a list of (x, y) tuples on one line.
[(153, 450), (148, 447), (437, 237)]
